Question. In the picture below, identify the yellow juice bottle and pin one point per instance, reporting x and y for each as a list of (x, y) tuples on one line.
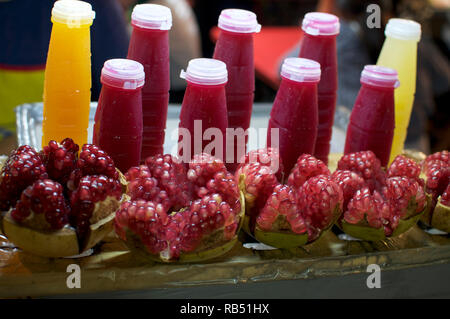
[(399, 52), (67, 84)]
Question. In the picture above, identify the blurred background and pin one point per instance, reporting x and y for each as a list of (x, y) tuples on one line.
[(25, 32)]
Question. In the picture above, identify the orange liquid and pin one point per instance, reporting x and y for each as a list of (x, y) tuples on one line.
[(67, 84)]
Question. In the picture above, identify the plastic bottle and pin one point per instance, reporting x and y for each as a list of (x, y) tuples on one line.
[(372, 120), (149, 45), (294, 110), (400, 52), (118, 119), (67, 84), (319, 44), (235, 47), (204, 110)]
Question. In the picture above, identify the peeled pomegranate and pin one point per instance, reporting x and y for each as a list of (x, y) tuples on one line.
[(180, 214), (436, 172), (379, 204), (60, 203), (293, 214)]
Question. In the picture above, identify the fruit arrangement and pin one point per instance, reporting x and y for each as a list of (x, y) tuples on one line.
[(436, 172), (291, 214), (178, 212), (378, 203), (60, 201)]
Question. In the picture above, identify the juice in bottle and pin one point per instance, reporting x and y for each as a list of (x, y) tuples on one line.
[(235, 47), (149, 45), (400, 52), (203, 117), (372, 120), (319, 44), (118, 119), (67, 84), (294, 112)]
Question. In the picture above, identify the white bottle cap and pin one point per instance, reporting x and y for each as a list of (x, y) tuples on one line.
[(152, 16), (238, 20), (320, 23), (206, 72), (380, 76), (74, 13), (301, 70), (123, 74), (403, 29)]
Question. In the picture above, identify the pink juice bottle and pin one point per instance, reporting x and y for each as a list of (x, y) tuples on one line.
[(149, 45), (294, 112), (118, 119), (372, 121), (203, 117), (235, 47), (319, 44)]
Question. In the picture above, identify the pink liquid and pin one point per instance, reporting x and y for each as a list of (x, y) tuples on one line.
[(323, 50), (118, 125), (151, 48), (294, 113), (236, 50), (372, 122), (206, 103)]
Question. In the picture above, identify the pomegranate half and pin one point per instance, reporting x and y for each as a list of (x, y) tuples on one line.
[(60, 203), (180, 213), (379, 204), (292, 214)]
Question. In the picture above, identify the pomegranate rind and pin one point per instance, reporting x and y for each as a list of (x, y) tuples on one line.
[(63, 242), (368, 233), (60, 243), (134, 243), (440, 219), (283, 240)]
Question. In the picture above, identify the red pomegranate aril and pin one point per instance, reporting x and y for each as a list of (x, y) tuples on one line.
[(367, 165), (307, 166), (42, 197), (91, 190), (22, 168), (320, 200), (403, 166), (445, 197), (350, 182)]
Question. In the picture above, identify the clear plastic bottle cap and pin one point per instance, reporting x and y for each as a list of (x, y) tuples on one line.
[(74, 13), (403, 29), (319, 23), (238, 20), (152, 16), (380, 76), (205, 71), (301, 70), (123, 73)]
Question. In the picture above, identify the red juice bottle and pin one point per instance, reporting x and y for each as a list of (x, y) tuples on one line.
[(294, 112), (319, 44), (235, 47), (203, 117), (118, 119), (149, 45), (372, 120)]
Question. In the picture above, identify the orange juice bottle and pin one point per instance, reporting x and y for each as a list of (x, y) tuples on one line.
[(67, 84)]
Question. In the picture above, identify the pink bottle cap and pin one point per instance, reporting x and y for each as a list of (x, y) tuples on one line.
[(238, 20), (205, 71), (152, 16), (301, 70), (380, 76), (123, 73), (319, 23)]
